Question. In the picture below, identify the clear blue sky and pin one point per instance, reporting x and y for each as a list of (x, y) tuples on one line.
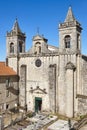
[(45, 14)]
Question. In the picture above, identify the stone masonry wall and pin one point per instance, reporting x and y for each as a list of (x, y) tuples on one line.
[(10, 93), (82, 100)]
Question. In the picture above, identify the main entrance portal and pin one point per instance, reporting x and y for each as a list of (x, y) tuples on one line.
[(38, 104)]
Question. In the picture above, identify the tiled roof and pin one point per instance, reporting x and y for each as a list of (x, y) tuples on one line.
[(6, 70)]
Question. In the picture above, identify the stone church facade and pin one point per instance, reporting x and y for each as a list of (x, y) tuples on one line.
[(50, 78)]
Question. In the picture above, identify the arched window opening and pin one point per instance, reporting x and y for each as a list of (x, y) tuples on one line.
[(67, 41), (39, 49), (12, 48), (78, 41), (20, 46)]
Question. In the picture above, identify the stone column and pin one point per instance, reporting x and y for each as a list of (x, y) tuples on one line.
[(52, 87), (61, 85), (23, 85), (70, 90)]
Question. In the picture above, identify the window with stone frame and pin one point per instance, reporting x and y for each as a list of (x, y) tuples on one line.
[(67, 41), (37, 47), (11, 47)]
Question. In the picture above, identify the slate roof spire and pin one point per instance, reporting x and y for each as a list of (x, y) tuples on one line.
[(70, 17)]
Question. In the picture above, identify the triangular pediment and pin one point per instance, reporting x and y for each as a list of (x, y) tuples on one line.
[(38, 91), (39, 37)]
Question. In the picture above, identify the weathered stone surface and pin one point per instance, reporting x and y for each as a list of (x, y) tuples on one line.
[(8, 98), (60, 73)]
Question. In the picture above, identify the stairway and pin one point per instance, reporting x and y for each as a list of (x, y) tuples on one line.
[(80, 124)]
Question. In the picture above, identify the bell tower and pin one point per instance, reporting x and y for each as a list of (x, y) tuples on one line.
[(70, 34), (15, 41), (15, 45)]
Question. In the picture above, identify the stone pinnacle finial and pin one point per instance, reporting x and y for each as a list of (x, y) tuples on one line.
[(70, 17), (16, 26)]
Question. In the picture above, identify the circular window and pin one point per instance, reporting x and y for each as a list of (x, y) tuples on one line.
[(38, 62)]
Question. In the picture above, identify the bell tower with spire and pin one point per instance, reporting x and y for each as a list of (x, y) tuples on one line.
[(15, 45), (70, 34), (15, 41)]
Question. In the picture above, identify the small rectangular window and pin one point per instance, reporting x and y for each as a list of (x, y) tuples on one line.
[(39, 49)]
